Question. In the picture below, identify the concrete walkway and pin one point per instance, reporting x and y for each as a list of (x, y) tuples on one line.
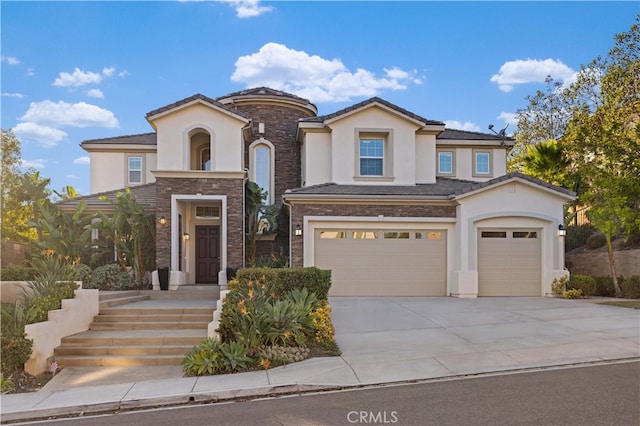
[(383, 340)]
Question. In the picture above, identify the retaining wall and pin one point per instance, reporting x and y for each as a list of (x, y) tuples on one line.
[(597, 264)]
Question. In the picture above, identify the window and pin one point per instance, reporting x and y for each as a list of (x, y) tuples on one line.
[(134, 169), (481, 163), (445, 162), (525, 234), (371, 157), (261, 164), (333, 235), (493, 234), (396, 235), (205, 158), (364, 235), (207, 212)]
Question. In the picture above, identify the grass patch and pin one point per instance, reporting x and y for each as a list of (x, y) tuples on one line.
[(635, 304)]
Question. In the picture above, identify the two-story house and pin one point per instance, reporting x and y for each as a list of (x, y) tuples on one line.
[(392, 203)]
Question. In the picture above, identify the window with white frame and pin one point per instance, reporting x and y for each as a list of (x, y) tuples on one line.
[(371, 156), (481, 163), (445, 163), (134, 171)]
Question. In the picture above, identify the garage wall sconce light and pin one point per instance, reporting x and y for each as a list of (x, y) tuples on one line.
[(562, 231), (186, 236), (298, 231), (163, 220)]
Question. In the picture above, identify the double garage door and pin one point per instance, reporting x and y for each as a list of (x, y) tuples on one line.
[(509, 262), (383, 262)]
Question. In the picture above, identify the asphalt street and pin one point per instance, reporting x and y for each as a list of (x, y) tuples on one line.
[(594, 395)]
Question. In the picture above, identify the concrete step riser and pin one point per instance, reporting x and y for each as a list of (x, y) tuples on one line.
[(109, 295), (133, 341), (154, 318), (122, 350), (121, 301), (148, 325), (156, 311)]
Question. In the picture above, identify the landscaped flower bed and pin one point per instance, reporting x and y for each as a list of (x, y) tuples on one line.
[(269, 318)]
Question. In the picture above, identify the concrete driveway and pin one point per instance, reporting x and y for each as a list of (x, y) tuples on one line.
[(409, 338)]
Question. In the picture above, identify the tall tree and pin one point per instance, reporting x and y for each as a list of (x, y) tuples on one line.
[(13, 214)]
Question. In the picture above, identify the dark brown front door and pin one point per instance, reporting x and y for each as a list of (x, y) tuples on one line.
[(207, 254)]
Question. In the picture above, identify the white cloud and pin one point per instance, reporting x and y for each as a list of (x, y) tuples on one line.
[(310, 76), (72, 177), (530, 71), (467, 125), (33, 164), (10, 60), (82, 160), (108, 71), (77, 78), (509, 117), (95, 93), (123, 73), (247, 8), (30, 72), (60, 113), (45, 136), (13, 95)]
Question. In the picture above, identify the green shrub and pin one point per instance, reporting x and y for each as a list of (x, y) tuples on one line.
[(203, 359), (16, 273), (559, 285), (631, 287), (84, 273), (585, 283), (15, 351), (275, 356), (15, 316), (6, 384), (572, 294), (111, 277), (42, 305), (281, 281), (323, 326), (596, 240), (577, 236), (234, 357), (604, 286)]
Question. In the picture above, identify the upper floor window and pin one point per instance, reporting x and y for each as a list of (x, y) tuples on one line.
[(205, 158), (481, 163), (445, 162), (261, 166), (134, 170), (371, 157)]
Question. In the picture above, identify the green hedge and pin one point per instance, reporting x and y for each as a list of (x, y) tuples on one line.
[(283, 280), (604, 286), (631, 287), (585, 283)]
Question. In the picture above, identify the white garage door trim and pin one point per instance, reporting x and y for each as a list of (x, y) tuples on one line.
[(509, 261), (383, 261)]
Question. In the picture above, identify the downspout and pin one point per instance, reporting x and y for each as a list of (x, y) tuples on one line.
[(284, 202)]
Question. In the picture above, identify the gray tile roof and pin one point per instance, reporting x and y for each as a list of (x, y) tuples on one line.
[(263, 91), (191, 99), (141, 139), (443, 188), (466, 135), (321, 118), (144, 194)]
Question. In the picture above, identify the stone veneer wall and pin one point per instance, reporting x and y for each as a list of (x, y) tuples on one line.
[(299, 211), (232, 188), (597, 264)]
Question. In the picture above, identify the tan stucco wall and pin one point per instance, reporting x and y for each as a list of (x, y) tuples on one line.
[(173, 138), (510, 205), (109, 169), (345, 147), (316, 157), (425, 159), (597, 264)]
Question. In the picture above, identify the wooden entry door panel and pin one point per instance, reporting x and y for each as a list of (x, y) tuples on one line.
[(207, 254)]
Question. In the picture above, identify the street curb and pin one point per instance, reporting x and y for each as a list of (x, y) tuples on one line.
[(200, 398)]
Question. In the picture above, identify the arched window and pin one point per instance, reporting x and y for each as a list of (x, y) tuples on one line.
[(261, 166), (205, 159)]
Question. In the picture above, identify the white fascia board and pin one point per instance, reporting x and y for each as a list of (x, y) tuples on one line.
[(194, 102), (534, 185), (97, 147)]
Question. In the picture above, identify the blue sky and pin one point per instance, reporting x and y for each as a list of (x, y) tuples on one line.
[(73, 71)]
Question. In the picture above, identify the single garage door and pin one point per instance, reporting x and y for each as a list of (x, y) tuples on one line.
[(383, 262), (509, 262)]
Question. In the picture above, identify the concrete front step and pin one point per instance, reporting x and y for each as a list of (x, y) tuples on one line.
[(140, 325), (118, 361), (122, 300), (156, 311), (135, 337), (123, 350)]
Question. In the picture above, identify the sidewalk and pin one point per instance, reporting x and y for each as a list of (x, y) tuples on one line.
[(382, 341)]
